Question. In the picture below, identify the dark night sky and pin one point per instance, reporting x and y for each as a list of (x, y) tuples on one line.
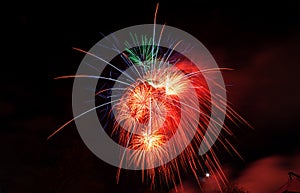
[(260, 41)]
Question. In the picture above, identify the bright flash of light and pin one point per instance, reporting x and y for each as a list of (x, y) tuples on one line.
[(150, 112)]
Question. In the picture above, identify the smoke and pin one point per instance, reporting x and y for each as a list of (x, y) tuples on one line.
[(265, 175), (268, 174)]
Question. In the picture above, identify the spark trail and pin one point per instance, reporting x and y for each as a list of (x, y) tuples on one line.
[(156, 106)]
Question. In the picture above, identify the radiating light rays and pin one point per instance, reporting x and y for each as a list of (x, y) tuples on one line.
[(155, 103), (99, 58), (151, 107)]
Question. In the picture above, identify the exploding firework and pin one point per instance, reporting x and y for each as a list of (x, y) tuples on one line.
[(157, 104)]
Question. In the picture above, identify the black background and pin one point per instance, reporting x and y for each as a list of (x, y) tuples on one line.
[(260, 41)]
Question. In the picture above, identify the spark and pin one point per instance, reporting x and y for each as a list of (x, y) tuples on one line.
[(151, 111)]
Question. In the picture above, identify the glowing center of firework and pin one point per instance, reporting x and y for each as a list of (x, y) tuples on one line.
[(144, 103), (151, 105), (151, 141)]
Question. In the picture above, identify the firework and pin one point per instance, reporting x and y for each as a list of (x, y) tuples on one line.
[(160, 105), (156, 107)]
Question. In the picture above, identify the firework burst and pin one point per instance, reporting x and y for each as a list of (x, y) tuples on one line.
[(163, 109)]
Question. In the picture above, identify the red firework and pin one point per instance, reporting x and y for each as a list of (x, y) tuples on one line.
[(168, 101)]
